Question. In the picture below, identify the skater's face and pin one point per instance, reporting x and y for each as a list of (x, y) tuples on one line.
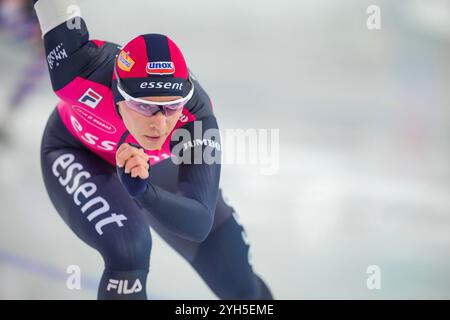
[(150, 131)]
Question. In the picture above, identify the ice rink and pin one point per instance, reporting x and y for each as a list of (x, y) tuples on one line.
[(364, 148)]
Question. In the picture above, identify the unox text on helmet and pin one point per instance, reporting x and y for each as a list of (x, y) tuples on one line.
[(160, 67)]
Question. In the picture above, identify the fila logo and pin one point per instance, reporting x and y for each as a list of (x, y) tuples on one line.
[(90, 98), (122, 286), (160, 67)]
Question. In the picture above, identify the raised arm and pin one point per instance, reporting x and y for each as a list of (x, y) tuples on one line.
[(66, 39)]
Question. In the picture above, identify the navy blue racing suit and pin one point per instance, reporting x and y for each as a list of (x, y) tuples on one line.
[(182, 202)]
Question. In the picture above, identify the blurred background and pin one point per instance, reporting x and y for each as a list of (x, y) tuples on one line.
[(364, 151)]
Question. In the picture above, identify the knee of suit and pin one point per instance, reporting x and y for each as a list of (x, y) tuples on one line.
[(127, 250), (222, 261), (223, 212)]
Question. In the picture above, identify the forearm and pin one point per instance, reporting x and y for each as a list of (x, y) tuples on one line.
[(66, 41), (189, 211), (186, 217)]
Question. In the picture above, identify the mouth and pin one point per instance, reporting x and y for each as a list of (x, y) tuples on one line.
[(152, 138)]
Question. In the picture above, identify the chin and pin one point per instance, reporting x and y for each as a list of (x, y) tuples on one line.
[(151, 145)]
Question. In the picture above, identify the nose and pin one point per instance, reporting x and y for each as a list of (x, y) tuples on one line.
[(157, 119)]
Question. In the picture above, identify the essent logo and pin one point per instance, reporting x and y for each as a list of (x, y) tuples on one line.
[(161, 85), (90, 138)]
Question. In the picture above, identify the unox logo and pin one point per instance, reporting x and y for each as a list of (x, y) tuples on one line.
[(125, 62), (90, 98), (160, 67)]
